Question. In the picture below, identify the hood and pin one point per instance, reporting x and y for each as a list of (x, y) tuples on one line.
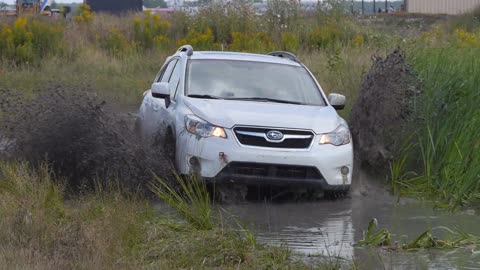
[(228, 113)]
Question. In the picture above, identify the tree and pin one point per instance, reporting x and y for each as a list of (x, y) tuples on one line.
[(3, 5), (54, 4), (155, 3)]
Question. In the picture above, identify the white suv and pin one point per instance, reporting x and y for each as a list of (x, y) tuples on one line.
[(248, 119)]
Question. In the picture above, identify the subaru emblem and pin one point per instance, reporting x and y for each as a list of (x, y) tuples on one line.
[(274, 135)]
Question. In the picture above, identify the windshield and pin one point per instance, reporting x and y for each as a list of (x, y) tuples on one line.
[(233, 79)]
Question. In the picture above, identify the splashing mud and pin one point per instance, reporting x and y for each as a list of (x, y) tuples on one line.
[(81, 136), (381, 117)]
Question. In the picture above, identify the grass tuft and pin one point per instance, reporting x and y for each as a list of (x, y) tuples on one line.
[(192, 201)]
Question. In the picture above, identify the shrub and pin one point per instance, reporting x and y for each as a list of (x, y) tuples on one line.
[(358, 40), (116, 43), (26, 42), (252, 42), (323, 36), (151, 31), (199, 40), (290, 41), (84, 14), (466, 39)]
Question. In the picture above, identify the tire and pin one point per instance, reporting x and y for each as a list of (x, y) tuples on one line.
[(137, 129), (336, 193), (169, 148)]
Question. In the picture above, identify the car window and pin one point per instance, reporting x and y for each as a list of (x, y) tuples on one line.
[(165, 77), (233, 79), (175, 79)]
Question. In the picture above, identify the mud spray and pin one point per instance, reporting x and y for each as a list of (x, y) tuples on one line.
[(383, 116), (84, 139)]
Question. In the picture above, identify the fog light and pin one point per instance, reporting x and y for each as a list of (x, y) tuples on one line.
[(193, 161), (195, 166), (344, 170)]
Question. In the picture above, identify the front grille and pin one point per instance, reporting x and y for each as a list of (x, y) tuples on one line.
[(271, 170), (290, 141)]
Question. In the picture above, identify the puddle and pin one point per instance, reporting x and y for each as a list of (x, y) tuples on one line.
[(329, 228)]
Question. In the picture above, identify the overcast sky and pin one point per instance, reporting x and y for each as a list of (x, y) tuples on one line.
[(11, 2)]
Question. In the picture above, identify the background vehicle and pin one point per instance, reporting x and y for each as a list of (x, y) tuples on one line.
[(248, 118), (33, 7)]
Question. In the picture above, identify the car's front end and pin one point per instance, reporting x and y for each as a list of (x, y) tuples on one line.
[(258, 119), (263, 143)]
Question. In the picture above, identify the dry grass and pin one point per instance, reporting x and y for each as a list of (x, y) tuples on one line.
[(40, 229)]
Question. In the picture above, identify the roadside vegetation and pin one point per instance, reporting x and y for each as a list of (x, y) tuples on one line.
[(40, 228), (427, 239), (45, 223)]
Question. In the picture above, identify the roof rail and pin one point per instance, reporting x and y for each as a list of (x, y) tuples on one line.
[(186, 48), (282, 54)]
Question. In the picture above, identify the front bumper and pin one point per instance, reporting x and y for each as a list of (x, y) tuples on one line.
[(225, 160)]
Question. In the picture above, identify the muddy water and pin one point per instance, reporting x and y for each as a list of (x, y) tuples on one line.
[(329, 228)]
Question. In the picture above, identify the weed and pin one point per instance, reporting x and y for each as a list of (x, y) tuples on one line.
[(192, 202), (426, 240), (84, 14)]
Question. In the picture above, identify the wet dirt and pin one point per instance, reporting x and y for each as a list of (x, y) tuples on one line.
[(325, 230), (382, 117)]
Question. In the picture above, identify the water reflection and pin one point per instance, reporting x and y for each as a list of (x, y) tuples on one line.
[(330, 228)]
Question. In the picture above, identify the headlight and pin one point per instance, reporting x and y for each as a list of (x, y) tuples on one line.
[(339, 136), (202, 128)]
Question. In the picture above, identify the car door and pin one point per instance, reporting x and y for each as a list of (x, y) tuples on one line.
[(155, 117), (173, 84)]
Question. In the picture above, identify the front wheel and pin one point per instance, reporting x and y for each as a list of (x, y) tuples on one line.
[(169, 148), (337, 193)]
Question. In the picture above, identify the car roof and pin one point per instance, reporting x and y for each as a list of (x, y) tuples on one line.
[(242, 57)]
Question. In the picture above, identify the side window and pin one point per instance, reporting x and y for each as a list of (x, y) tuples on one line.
[(165, 76), (175, 79)]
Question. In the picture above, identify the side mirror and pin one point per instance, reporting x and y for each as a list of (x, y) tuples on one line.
[(337, 101), (161, 90)]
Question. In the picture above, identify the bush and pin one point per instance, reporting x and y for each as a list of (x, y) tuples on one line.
[(116, 43), (466, 39), (252, 42), (27, 42), (290, 42), (323, 36), (84, 14), (199, 40), (151, 31)]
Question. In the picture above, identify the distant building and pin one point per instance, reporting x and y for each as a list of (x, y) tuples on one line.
[(115, 6), (451, 7)]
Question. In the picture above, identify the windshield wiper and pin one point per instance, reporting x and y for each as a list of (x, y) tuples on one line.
[(204, 96), (268, 100)]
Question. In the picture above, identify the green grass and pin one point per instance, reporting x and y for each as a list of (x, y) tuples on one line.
[(40, 228), (447, 145), (425, 240), (192, 201)]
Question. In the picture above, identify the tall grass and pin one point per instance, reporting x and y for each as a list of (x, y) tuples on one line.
[(448, 145), (192, 201), (41, 229)]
